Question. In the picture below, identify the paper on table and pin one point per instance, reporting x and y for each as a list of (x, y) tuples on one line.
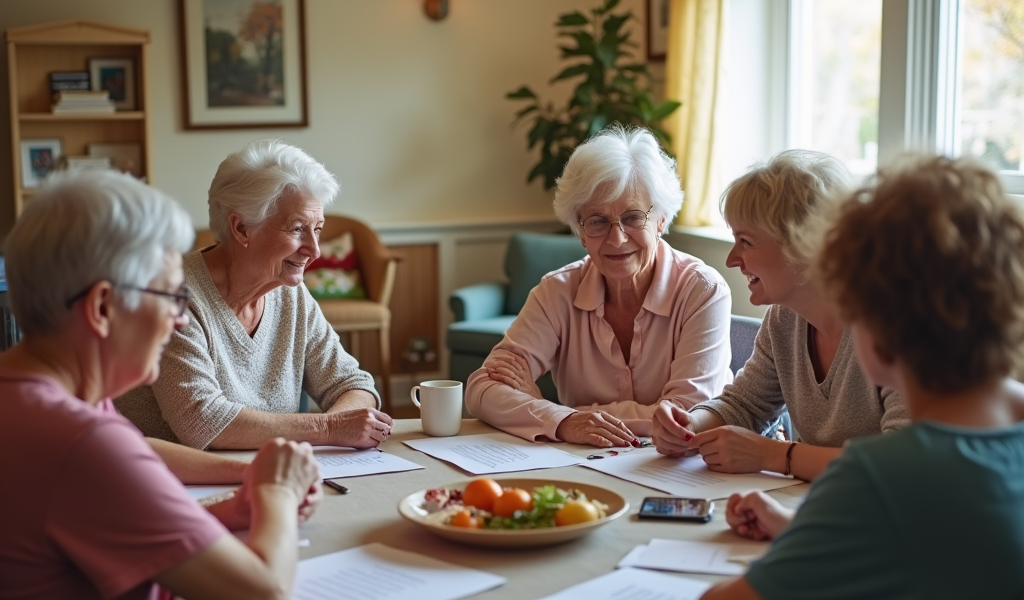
[(382, 573), (688, 477), (494, 453), (628, 584), (695, 557), (198, 492), (335, 461)]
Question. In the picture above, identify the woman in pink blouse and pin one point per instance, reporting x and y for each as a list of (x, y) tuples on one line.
[(630, 325)]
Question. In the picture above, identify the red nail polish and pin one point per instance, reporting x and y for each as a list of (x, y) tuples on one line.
[(635, 443), (688, 437)]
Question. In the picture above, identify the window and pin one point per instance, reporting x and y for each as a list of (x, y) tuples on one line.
[(991, 87)]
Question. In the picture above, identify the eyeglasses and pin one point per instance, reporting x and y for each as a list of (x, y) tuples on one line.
[(643, 443), (181, 297), (630, 221)]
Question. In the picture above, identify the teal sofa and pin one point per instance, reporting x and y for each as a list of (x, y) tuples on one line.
[(484, 311)]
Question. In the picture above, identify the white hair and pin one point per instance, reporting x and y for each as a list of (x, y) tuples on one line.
[(251, 181), (616, 162), (82, 228)]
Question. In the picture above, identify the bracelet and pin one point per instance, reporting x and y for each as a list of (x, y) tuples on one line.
[(789, 457)]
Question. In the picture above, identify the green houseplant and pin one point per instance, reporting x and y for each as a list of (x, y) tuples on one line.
[(613, 88)]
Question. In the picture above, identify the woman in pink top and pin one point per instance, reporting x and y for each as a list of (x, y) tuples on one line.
[(630, 325), (95, 281)]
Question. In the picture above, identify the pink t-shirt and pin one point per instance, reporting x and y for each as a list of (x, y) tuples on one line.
[(680, 350), (88, 510)]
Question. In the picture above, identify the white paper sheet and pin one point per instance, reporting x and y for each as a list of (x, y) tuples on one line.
[(378, 572), (634, 584), (494, 453), (695, 557), (198, 492), (336, 461), (687, 477)]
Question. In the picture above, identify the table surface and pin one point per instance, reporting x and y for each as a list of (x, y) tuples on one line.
[(369, 513)]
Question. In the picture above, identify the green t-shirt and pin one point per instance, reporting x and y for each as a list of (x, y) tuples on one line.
[(933, 511)]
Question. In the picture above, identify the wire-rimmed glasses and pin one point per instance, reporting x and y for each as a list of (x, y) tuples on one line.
[(180, 298), (630, 221)]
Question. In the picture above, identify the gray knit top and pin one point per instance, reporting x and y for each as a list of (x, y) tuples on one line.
[(213, 369), (779, 375)]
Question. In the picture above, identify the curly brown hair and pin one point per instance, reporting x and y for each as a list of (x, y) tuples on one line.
[(929, 256)]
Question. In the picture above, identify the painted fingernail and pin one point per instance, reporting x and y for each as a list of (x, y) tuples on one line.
[(688, 437), (634, 443)]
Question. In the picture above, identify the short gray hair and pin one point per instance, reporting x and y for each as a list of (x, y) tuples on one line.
[(615, 162), (82, 228), (251, 181)]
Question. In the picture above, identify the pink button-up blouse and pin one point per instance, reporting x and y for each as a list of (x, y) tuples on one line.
[(680, 350)]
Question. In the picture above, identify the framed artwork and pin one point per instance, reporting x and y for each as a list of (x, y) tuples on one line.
[(38, 159), (657, 29), (243, 63), (116, 75)]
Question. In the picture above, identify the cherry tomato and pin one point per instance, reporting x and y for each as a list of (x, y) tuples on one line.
[(481, 493), (512, 500), (464, 519), (576, 511)]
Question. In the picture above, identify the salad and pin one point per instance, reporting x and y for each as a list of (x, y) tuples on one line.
[(484, 504)]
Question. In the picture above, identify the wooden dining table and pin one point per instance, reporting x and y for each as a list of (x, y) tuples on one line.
[(369, 513)]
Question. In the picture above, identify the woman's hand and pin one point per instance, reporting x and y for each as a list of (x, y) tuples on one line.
[(359, 428), (672, 431), (311, 502), (594, 429), (511, 369), (731, 449), (757, 516)]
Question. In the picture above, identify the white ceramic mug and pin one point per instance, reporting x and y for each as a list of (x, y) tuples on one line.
[(440, 404)]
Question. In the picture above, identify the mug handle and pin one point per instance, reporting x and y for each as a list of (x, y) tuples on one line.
[(412, 395)]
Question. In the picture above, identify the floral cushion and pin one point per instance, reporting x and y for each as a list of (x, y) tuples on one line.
[(336, 273)]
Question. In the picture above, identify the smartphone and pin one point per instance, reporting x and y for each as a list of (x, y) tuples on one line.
[(334, 485), (676, 509)]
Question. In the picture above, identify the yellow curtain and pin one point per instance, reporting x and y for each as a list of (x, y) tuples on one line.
[(692, 77)]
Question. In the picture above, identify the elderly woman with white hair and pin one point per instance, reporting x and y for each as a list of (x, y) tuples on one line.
[(803, 356), (632, 324), (256, 340), (95, 281)]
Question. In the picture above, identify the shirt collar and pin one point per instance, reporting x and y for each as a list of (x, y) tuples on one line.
[(590, 294)]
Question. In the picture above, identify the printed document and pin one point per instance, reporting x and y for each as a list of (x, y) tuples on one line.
[(634, 584), (336, 461), (379, 572), (695, 557), (686, 477), (494, 453)]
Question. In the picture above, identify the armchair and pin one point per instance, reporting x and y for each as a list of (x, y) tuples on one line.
[(484, 311)]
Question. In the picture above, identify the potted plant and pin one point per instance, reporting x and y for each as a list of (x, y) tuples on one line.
[(613, 89)]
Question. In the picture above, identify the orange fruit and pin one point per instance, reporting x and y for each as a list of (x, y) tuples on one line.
[(574, 512), (512, 500), (464, 519), (481, 493)]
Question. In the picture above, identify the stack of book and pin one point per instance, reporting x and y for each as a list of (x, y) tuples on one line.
[(77, 102)]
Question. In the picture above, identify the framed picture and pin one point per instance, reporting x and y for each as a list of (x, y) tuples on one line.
[(38, 159), (116, 75), (657, 29), (125, 157), (244, 63)]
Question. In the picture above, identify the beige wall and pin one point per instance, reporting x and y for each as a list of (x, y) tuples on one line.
[(408, 112)]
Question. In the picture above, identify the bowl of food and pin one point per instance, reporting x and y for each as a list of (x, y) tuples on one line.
[(511, 512)]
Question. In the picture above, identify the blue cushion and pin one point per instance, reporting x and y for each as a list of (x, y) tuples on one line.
[(478, 336), (530, 257)]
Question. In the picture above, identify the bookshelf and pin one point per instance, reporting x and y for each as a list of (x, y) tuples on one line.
[(34, 52)]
